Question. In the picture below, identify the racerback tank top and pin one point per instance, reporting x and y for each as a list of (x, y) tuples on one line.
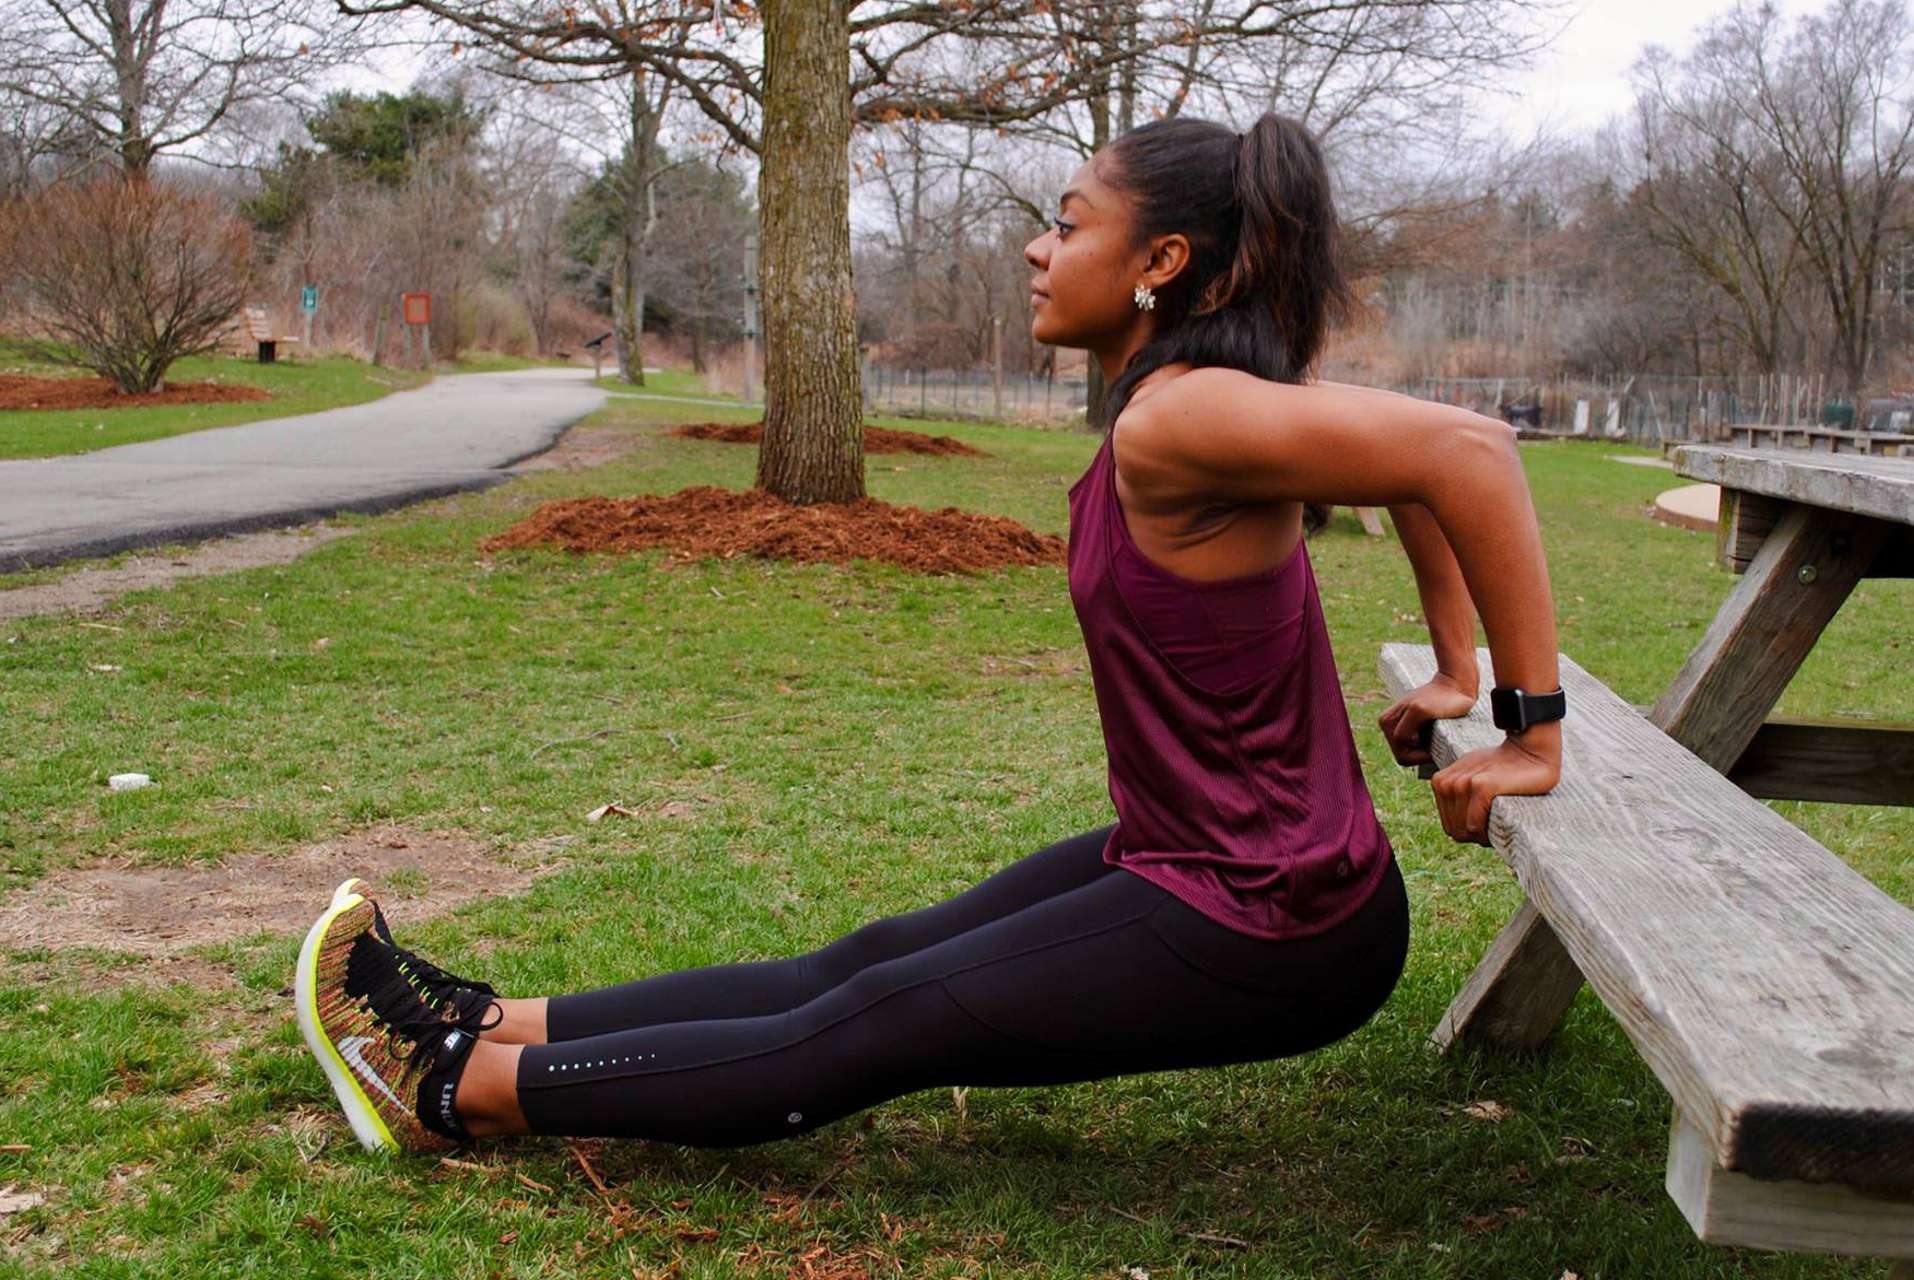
[(1233, 767)]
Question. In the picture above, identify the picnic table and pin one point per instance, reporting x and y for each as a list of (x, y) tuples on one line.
[(1768, 985), (1802, 529)]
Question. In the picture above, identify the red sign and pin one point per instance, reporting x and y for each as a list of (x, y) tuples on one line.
[(418, 308)]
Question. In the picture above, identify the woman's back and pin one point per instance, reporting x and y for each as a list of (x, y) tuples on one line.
[(1232, 765)]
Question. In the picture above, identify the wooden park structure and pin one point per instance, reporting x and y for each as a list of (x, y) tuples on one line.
[(251, 334), (1886, 444), (1768, 985)]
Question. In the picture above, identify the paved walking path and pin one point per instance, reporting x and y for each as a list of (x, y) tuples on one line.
[(453, 434)]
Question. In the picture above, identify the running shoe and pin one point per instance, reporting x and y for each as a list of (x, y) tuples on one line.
[(364, 1018)]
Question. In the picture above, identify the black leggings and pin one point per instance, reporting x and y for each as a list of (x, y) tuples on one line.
[(1057, 968)]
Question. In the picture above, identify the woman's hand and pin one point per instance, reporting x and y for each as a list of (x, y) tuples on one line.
[(1528, 764), (1440, 699)]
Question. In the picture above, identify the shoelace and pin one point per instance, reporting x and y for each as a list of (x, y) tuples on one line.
[(470, 1000), (375, 975), (467, 1000)]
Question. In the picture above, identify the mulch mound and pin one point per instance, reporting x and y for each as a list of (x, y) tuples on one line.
[(17, 391), (876, 439), (703, 520)]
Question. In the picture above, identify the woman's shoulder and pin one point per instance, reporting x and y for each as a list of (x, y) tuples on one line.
[(1212, 393)]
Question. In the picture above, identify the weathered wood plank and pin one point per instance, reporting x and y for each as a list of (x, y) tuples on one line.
[(1853, 482), (1768, 985), (1743, 524), (1833, 761), (1823, 439), (1518, 995), (1732, 1208), (1765, 629)]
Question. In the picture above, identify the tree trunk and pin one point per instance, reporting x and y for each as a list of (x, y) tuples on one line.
[(638, 218), (813, 447), (1099, 104)]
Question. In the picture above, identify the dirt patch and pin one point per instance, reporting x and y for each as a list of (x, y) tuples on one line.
[(158, 912), (582, 448), (876, 439), (89, 590), (703, 520), (18, 391)]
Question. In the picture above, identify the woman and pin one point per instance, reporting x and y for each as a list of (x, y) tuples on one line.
[(1246, 904)]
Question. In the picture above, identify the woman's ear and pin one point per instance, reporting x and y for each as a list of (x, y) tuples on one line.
[(1168, 256)]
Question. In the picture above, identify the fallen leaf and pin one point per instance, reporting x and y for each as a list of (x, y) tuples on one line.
[(12, 1201), (1486, 1110), (608, 810)]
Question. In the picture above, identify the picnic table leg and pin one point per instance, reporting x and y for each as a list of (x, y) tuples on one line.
[(1518, 995), (1806, 567), (1803, 571)]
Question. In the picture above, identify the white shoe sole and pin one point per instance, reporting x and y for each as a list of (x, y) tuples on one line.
[(360, 1113)]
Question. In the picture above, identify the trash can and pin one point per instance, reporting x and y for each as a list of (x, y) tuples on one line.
[(1838, 414)]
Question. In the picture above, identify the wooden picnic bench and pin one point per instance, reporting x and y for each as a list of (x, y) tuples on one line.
[(252, 332), (1819, 439), (1768, 985)]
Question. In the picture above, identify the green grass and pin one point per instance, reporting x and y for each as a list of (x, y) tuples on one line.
[(668, 382), (295, 384), (499, 362), (185, 1132)]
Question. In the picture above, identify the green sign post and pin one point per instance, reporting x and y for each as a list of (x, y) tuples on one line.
[(309, 303)]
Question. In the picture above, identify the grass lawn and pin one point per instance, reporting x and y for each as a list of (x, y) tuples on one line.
[(670, 382), (297, 384), (841, 742)]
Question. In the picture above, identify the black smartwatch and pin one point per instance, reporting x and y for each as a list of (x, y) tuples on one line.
[(1516, 709)]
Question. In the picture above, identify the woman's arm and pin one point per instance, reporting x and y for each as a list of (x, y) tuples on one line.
[(1445, 596), (1225, 433)]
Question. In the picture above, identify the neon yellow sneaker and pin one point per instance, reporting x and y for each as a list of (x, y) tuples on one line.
[(373, 1026)]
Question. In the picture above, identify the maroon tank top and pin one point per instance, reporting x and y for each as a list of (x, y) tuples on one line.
[(1232, 764)]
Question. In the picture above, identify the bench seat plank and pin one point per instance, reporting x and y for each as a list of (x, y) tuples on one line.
[(1768, 985)]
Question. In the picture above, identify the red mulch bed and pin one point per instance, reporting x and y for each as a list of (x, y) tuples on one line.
[(18, 391), (876, 439), (703, 520)]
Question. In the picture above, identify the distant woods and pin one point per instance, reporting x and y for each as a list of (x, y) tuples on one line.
[(1749, 214)]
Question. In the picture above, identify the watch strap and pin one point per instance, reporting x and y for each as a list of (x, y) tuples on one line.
[(1514, 709)]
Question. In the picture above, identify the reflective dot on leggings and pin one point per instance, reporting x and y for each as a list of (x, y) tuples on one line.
[(795, 1116)]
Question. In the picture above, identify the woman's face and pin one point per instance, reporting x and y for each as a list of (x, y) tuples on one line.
[(1085, 266)]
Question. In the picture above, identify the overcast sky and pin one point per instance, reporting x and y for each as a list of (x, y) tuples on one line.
[(1585, 79)]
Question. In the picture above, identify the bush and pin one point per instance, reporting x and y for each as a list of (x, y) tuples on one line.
[(126, 277)]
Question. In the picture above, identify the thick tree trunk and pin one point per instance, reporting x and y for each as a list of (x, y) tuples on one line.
[(813, 448)]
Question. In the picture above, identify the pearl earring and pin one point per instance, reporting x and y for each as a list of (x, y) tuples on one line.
[(1145, 299)]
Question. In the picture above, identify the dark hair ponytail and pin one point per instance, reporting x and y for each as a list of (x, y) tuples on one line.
[(1264, 282)]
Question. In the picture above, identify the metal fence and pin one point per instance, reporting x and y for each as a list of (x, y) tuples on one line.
[(973, 393), (1644, 409), (1647, 409)]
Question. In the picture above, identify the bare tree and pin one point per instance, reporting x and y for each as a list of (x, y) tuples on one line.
[(822, 66), (143, 77), (535, 178), (1778, 157), (126, 278), (1375, 81)]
